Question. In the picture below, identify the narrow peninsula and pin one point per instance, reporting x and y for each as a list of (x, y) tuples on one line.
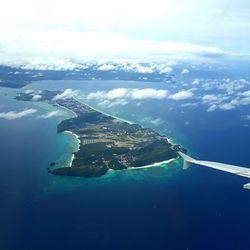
[(105, 142)]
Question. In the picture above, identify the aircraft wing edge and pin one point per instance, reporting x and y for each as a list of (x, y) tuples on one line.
[(241, 171)]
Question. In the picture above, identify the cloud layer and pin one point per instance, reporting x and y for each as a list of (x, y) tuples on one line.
[(122, 96), (219, 94), (12, 115), (69, 50), (154, 121), (125, 93), (172, 20), (66, 94), (34, 37), (181, 95), (50, 115)]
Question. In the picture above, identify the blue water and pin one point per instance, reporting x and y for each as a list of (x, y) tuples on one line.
[(162, 208)]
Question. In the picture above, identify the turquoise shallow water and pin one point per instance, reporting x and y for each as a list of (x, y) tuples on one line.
[(160, 208)]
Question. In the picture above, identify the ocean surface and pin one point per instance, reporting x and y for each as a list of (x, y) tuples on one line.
[(160, 208)]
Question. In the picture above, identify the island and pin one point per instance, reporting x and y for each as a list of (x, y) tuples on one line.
[(105, 142)]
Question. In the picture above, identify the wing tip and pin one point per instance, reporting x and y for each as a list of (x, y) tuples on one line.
[(247, 186), (187, 160)]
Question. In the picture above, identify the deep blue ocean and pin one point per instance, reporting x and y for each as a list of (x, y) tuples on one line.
[(161, 208)]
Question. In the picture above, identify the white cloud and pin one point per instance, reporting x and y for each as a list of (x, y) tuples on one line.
[(42, 62), (68, 93), (217, 101), (110, 104), (227, 106), (230, 93), (196, 82), (137, 67), (243, 101), (117, 93), (50, 114), (106, 67), (185, 71), (61, 50), (232, 104), (181, 95), (138, 94), (12, 115), (149, 93), (240, 101), (29, 91), (154, 121), (169, 19), (226, 85), (46, 34), (246, 93), (142, 69), (209, 98), (126, 93), (36, 97), (96, 95), (189, 104), (212, 108), (230, 86), (166, 70), (247, 117)]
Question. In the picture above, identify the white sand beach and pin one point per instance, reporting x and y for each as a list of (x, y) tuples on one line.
[(78, 149)]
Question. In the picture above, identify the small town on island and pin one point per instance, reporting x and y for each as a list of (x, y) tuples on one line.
[(105, 142)]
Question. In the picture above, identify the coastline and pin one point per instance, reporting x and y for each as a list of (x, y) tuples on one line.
[(66, 109), (170, 140), (78, 149), (121, 119), (130, 168)]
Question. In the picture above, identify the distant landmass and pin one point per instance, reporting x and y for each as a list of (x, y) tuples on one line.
[(105, 142), (19, 77)]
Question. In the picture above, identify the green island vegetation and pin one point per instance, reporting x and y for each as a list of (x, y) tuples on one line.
[(105, 142)]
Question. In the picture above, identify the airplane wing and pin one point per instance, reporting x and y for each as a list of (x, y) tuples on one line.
[(241, 171)]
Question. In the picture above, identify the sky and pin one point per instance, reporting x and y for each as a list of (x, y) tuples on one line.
[(114, 29)]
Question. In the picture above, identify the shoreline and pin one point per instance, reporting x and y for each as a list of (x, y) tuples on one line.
[(66, 109), (170, 140), (79, 142), (120, 119)]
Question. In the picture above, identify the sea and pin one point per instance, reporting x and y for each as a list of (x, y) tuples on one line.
[(160, 208)]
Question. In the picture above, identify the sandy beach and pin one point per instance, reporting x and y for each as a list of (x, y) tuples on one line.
[(79, 142), (67, 110)]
